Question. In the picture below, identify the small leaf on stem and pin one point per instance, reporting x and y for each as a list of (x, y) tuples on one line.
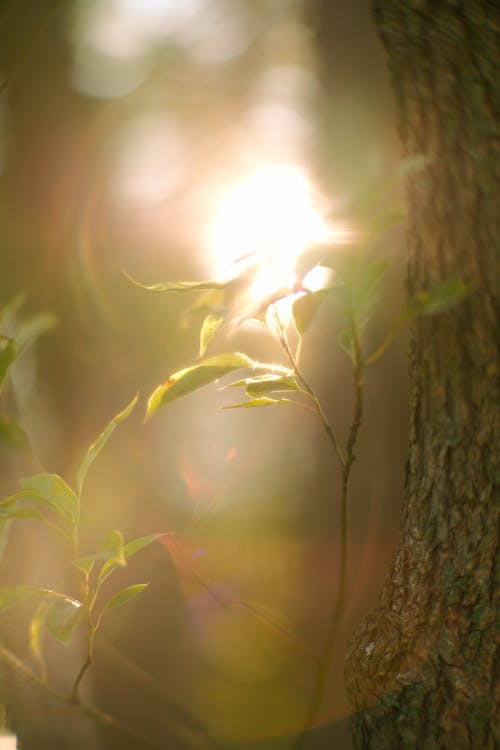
[(305, 308), (11, 595), (191, 378), (36, 630), (54, 489), (125, 595), (114, 547), (209, 328), (135, 545), (177, 286), (262, 384), (97, 446), (8, 351), (63, 617), (257, 402), (439, 297), (346, 341)]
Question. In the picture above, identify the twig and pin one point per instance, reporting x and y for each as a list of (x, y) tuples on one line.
[(308, 390), (339, 606), (400, 321), (73, 700)]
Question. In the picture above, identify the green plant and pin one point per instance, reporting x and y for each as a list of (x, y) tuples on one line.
[(17, 334), (355, 289), (48, 499)]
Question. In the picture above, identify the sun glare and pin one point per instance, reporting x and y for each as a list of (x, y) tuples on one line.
[(267, 219)]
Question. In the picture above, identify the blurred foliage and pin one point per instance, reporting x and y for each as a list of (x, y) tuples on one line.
[(123, 125)]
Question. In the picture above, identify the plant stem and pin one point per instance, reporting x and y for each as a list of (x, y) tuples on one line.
[(400, 321), (339, 606), (89, 602), (90, 711), (308, 390)]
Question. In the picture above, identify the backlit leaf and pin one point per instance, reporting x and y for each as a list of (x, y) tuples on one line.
[(262, 384), (359, 278), (97, 446), (137, 544), (125, 595), (177, 286), (12, 433), (32, 328), (257, 402), (209, 328), (63, 617), (114, 547), (191, 378), (11, 513), (11, 595), (346, 342), (8, 310), (8, 351), (55, 489), (86, 563), (42, 501), (305, 308), (440, 297), (36, 629)]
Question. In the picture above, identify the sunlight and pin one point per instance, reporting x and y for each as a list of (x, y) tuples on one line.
[(267, 219)]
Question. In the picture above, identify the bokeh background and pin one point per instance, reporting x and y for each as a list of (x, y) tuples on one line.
[(124, 125)]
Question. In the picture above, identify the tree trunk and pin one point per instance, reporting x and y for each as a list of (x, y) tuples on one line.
[(421, 669)]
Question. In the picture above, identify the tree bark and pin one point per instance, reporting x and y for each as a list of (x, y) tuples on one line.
[(421, 668)]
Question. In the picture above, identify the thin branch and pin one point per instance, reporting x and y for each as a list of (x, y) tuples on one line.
[(400, 321), (308, 389), (339, 606), (94, 713)]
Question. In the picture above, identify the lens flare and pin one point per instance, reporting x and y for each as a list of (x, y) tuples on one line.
[(267, 220)]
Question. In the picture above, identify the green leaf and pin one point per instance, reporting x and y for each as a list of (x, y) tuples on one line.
[(257, 402), (266, 384), (387, 221), (97, 446), (177, 286), (11, 595), (11, 513), (63, 617), (86, 563), (36, 630), (42, 501), (359, 279), (5, 526), (191, 378), (209, 328), (440, 297), (135, 545), (12, 433), (32, 328), (346, 341), (114, 547), (8, 310), (310, 258), (304, 309), (371, 274), (55, 490), (125, 595), (8, 351)]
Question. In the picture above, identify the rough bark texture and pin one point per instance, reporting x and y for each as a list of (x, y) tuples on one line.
[(423, 668)]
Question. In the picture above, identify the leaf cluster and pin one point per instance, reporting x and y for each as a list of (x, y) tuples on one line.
[(16, 335), (48, 499), (355, 289)]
